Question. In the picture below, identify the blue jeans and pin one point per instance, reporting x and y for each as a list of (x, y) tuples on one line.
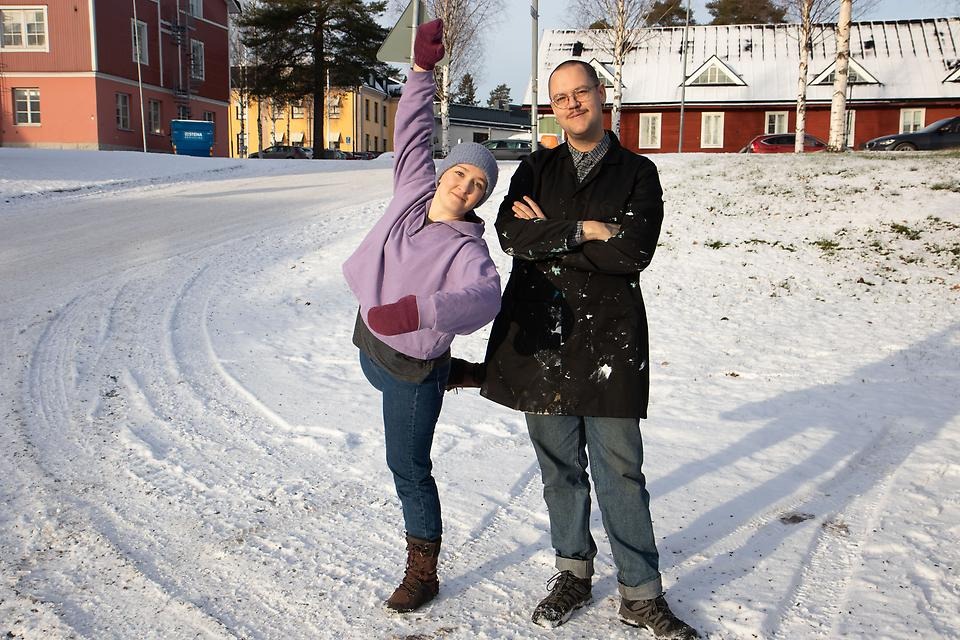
[(410, 413), (616, 457)]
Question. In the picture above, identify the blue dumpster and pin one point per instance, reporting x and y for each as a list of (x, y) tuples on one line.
[(192, 137)]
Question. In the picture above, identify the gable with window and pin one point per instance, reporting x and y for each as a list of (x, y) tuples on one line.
[(856, 74), (138, 32), (714, 72), (26, 106), (197, 64), (24, 29)]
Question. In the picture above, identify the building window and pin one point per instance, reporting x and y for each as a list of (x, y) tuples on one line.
[(376, 143), (713, 75), (384, 115), (911, 120), (154, 120), (366, 146), (241, 112), (296, 109), (197, 66), (384, 144), (183, 112), (26, 105), (242, 143), (123, 111), (649, 130), (138, 32), (196, 8), (478, 137), (776, 122), (711, 130), (851, 125), (211, 116), (333, 107), (366, 109), (24, 28), (376, 112)]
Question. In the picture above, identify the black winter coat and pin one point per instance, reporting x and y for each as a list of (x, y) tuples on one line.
[(571, 335)]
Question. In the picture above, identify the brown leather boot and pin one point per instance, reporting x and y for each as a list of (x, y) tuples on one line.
[(420, 584)]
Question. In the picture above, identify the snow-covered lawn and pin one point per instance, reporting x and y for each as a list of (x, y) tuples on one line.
[(189, 449)]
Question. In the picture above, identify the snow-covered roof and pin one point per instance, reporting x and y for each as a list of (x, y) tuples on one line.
[(904, 59)]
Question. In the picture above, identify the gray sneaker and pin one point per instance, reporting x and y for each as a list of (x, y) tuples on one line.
[(655, 615), (567, 594)]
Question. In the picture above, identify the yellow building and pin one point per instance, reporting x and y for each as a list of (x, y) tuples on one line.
[(356, 119)]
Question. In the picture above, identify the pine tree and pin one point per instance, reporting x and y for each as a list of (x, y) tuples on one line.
[(499, 96), (746, 11), (296, 42), (466, 92), (668, 13)]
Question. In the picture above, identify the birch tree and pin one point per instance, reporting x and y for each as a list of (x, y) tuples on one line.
[(623, 23), (838, 107)]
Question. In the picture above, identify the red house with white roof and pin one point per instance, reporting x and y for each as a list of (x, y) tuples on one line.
[(741, 81), (78, 74)]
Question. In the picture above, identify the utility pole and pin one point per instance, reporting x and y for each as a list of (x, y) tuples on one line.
[(534, 81), (136, 40), (683, 81)]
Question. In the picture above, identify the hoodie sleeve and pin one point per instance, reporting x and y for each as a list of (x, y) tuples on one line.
[(468, 309), (413, 133)]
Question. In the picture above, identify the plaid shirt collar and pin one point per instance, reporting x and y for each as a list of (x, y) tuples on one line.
[(585, 162)]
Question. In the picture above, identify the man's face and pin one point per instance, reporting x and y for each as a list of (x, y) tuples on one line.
[(582, 117)]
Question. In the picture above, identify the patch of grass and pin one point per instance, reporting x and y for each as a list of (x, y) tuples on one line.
[(826, 245), (716, 244), (904, 230), (949, 185)]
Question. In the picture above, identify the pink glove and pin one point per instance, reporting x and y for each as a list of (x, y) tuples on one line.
[(396, 318), (428, 47)]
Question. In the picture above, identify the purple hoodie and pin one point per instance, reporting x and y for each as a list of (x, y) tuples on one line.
[(446, 265)]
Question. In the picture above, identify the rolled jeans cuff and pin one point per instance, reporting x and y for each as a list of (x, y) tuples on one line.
[(582, 569), (645, 591)]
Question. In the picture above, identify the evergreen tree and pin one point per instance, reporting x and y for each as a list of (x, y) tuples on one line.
[(466, 92), (500, 95), (668, 13), (746, 11), (295, 42)]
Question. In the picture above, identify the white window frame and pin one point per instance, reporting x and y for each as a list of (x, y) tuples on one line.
[(21, 12), (717, 142), (777, 128), (141, 26), (123, 111), (196, 8), (183, 112), (905, 127), (296, 110), (155, 117), (195, 46), (31, 96), (650, 123), (712, 75)]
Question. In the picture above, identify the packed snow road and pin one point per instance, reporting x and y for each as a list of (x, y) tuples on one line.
[(189, 448)]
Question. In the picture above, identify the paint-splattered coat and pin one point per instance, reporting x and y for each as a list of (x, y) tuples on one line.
[(571, 335)]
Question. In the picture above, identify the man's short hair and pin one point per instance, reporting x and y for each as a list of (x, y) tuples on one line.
[(587, 67)]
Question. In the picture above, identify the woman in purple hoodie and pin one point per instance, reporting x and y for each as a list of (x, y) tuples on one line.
[(422, 275)]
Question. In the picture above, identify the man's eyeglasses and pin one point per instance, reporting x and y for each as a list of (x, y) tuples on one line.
[(567, 100)]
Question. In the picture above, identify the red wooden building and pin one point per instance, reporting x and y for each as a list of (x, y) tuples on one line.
[(79, 74), (741, 81)]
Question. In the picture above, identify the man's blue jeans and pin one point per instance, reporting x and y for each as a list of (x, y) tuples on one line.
[(410, 413), (616, 456)]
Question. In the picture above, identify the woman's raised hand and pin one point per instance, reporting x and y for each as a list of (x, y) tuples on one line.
[(428, 47)]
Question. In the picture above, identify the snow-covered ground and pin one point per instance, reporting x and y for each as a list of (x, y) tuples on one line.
[(189, 449)]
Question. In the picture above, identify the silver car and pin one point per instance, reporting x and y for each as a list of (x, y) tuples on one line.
[(508, 149)]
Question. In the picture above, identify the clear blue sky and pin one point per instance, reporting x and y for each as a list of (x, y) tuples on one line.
[(507, 47)]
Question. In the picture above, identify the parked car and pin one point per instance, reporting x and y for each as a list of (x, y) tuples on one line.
[(334, 154), (942, 134), (783, 143), (283, 151), (508, 149)]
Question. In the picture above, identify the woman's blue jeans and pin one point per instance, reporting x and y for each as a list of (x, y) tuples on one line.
[(410, 413)]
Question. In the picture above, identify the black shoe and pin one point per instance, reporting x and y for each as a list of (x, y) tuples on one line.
[(567, 594), (465, 374), (655, 615)]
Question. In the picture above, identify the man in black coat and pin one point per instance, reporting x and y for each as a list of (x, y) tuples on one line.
[(569, 347)]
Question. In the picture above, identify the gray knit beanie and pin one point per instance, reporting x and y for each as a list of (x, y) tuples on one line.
[(476, 155)]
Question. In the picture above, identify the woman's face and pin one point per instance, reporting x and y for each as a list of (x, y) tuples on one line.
[(461, 188)]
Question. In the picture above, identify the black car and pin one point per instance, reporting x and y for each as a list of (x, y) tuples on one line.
[(282, 151), (508, 149), (942, 134)]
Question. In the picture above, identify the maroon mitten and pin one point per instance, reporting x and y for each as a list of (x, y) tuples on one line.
[(395, 318), (428, 47)]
